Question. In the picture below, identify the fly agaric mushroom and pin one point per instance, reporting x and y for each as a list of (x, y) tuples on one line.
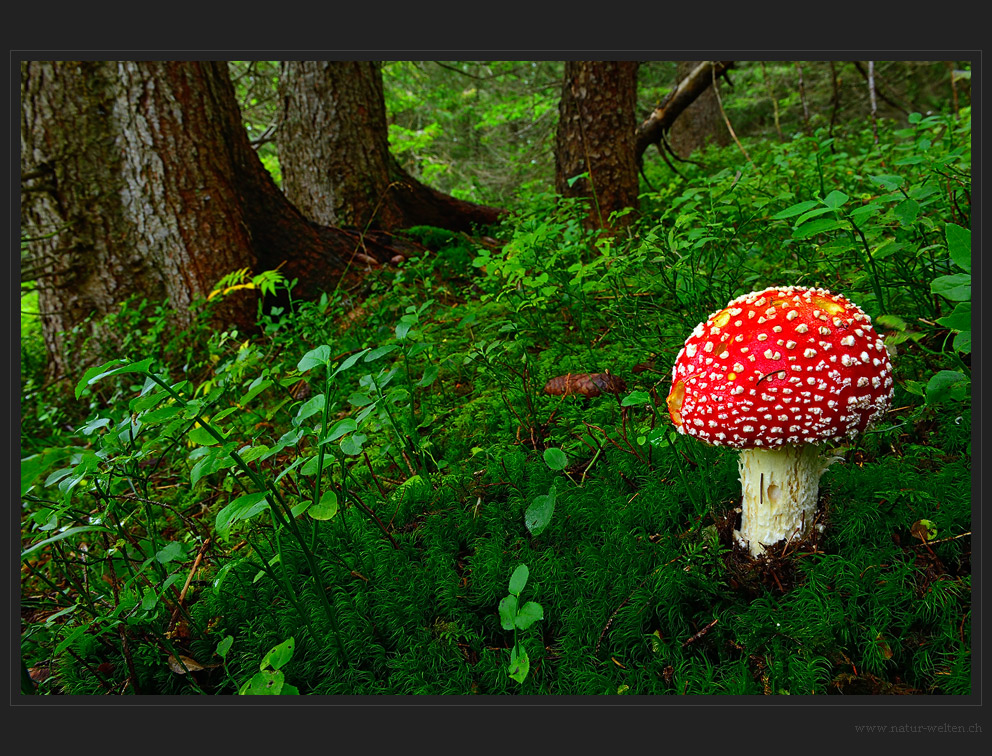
[(778, 373)]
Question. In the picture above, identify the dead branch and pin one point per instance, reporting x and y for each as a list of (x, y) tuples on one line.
[(653, 128)]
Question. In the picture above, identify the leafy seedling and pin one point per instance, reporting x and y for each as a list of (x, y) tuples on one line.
[(270, 679), (514, 616)]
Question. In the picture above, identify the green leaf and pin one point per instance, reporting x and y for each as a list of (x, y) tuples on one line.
[(959, 245), (518, 580), (224, 646), (326, 508), (906, 212), (349, 362), (310, 466), (202, 437), (519, 664), (538, 514), (403, 327), (297, 509), (797, 209), (161, 415), (528, 614), (170, 552), (314, 358), (962, 342), (114, 367), (947, 385), (64, 534), (34, 466), (216, 458), (221, 574), (430, 375), (815, 212), (279, 656), (956, 288), (309, 408), (352, 445), (959, 320), (339, 429), (507, 612), (264, 684), (360, 399), (555, 458), (893, 322), (887, 182), (242, 508), (661, 436), (149, 599), (814, 227), (380, 352), (571, 181), (70, 639), (863, 212), (94, 424), (636, 397), (251, 453), (256, 387), (835, 199)]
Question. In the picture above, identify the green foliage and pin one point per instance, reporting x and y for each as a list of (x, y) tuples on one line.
[(270, 680), (358, 478), (516, 616)]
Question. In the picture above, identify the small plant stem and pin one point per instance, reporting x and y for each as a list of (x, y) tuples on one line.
[(392, 423), (283, 518), (685, 482), (876, 285), (287, 585), (374, 518)]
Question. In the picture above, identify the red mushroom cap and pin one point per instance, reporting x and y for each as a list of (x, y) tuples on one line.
[(786, 365)]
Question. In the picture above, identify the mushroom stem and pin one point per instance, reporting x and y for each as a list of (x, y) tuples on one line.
[(781, 487)]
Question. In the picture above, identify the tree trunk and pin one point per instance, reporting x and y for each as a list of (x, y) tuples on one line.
[(700, 123), (138, 178), (596, 137), (689, 88), (335, 160)]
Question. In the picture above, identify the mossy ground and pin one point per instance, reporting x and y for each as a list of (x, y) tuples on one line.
[(642, 590)]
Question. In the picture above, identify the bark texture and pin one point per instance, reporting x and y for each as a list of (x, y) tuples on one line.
[(335, 159), (596, 136), (138, 178)]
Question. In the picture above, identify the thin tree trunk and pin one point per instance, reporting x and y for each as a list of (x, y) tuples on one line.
[(335, 159), (774, 99), (802, 97), (594, 145), (872, 99)]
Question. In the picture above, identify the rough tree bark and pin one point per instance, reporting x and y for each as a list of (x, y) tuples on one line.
[(596, 131), (138, 178), (335, 159)]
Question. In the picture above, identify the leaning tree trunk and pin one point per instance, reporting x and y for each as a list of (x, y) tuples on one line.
[(138, 178), (595, 138), (701, 122), (335, 159), (691, 86)]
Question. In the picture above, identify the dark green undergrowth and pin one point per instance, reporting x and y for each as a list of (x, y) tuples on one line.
[(365, 473)]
